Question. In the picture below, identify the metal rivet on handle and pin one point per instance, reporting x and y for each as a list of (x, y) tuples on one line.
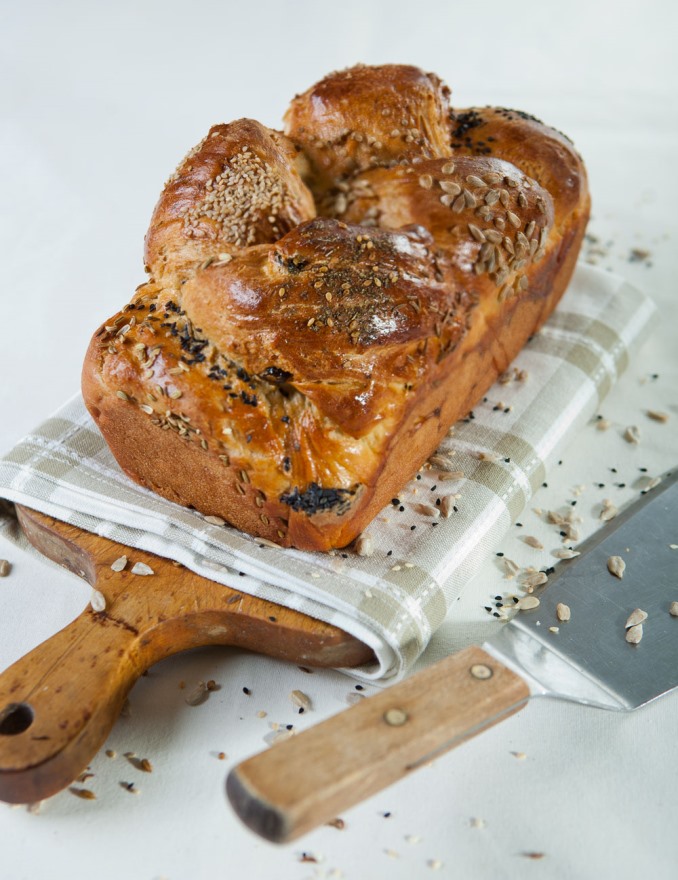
[(395, 717), (479, 670)]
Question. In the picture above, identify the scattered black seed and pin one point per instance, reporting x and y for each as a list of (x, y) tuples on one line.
[(287, 464), (285, 419), (500, 553), (434, 524), (497, 597), (301, 710), (359, 687), (272, 618), (412, 528), (507, 460), (561, 461), (242, 574), (433, 488), (573, 503), (643, 470), (545, 485), (519, 525), (498, 604), (600, 485), (496, 614), (455, 509), (247, 691), (438, 502), (395, 501), (620, 485), (390, 553), (289, 726), (614, 470), (344, 555), (387, 814), (562, 534), (401, 508), (419, 476), (488, 608)]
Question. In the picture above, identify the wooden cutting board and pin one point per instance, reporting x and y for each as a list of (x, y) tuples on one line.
[(59, 702)]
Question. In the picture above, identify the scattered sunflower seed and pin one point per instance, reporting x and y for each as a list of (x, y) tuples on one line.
[(554, 629), (511, 568), (636, 617), (609, 511), (562, 612), (447, 506), (5, 567), (657, 416), (352, 698), (215, 520), (673, 609), (435, 864), (616, 566), (301, 700), (83, 793), (142, 569), (533, 542), (634, 634), (602, 425), (97, 601), (566, 553), (198, 695), (475, 822), (632, 434), (527, 603), (111, 753), (427, 510), (535, 579), (119, 563), (364, 545)]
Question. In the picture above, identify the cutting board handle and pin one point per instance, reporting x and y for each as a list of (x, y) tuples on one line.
[(59, 702), (312, 778)]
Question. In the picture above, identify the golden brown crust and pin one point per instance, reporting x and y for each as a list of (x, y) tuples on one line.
[(289, 372), (368, 116)]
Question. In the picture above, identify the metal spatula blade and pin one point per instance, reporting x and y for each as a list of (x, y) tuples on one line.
[(589, 660), (316, 775)]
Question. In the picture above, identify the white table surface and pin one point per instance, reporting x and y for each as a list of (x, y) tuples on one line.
[(98, 103)]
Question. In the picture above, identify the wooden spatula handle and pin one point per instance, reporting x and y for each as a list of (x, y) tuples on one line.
[(311, 778)]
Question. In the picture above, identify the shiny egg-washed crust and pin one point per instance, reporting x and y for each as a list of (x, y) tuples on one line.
[(324, 303)]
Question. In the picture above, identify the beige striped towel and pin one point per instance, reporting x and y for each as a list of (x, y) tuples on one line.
[(483, 475)]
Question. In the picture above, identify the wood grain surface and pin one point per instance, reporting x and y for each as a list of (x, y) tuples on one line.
[(59, 702), (311, 778)]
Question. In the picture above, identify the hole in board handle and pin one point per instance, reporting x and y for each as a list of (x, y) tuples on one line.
[(15, 718)]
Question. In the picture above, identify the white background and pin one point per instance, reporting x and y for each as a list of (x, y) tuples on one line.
[(99, 102)]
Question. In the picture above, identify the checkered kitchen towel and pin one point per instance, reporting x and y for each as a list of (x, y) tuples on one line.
[(394, 599)]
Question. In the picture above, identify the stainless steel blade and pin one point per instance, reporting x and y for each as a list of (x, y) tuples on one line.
[(589, 660)]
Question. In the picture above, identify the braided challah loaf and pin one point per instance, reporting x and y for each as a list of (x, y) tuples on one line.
[(324, 304)]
